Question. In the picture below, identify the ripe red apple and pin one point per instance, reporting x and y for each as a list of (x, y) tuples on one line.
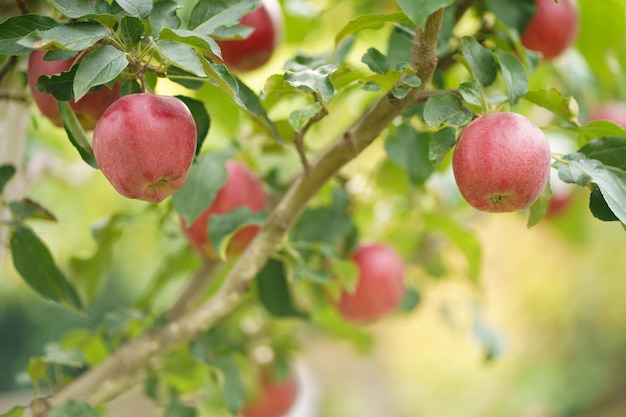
[(144, 144), (501, 162), (88, 109), (552, 29), (241, 189), (275, 400), (613, 111), (380, 285), (255, 50)]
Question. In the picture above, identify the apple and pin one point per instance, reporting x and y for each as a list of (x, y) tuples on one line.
[(275, 400), (552, 29), (241, 189), (145, 144), (501, 162), (613, 111), (380, 285), (88, 109), (257, 49)]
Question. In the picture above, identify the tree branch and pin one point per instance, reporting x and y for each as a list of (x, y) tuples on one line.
[(123, 367)]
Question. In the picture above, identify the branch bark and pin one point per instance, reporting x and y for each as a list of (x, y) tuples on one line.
[(124, 367)]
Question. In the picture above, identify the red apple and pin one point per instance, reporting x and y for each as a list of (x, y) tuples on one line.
[(380, 285), (613, 111), (552, 29), (501, 162), (88, 109), (241, 189), (255, 50), (275, 400), (144, 144)]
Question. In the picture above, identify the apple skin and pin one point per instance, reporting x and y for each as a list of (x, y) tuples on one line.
[(501, 162), (256, 50), (241, 189), (88, 109), (145, 144), (613, 111), (380, 286), (276, 399), (552, 29)]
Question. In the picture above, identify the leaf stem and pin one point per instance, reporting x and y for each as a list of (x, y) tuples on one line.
[(299, 138)]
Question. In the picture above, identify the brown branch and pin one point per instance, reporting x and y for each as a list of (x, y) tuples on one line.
[(123, 367), (21, 4), (299, 138)]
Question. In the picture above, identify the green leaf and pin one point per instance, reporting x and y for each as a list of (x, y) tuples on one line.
[(192, 39), (250, 102), (200, 116), (209, 16), (55, 354), (232, 385), (599, 208), (367, 22), (331, 322), (419, 10), (15, 28), (28, 209), (99, 66), (376, 61), (410, 149), (515, 76), (43, 276), (441, 142), (410, 301), (222, 227), (6, 173), (473, 95), (79, 8), (479, 61), (600, 128), (17, 411), (299, 117), (76, 134), (131, 30), (446, 109), (175, 408), (205, 178), (164, 16), (273, 290), (513, 13), (89, 343), (316, 78), (539, 208), (552, 99), (74, 36), (59, 85), (72, 408), (182, 56), (609, 150), (137, 8)]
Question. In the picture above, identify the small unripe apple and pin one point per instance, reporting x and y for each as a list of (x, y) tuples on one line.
[(145, 144), (88, 109), (241, 189), (255, 50), (501, 162), (380, 285), (613, 111), (552, 29), (275, 400)]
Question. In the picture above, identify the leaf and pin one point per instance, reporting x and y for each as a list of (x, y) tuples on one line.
[(72, 408), (17, 411), (599, 208), (479, 61), (600, 128), (205, 178), (200, 116), (369, 21), (410, 149), (513, 13), (473, 96), (28, 209), (99, 66), (6, 173), (182, 56), (15, 28), (515, 76), (539, 208), (273, 290), (376, 61), (131, 30), (222, 227), (164, 16), (53, 353), (59, 85), (410, 301), (192, 39), (99, 11), (43, 275), (76, 134), (209, 16), (446, 109), (441, 142), (552, 99), (175, 408), (136, 8), (74, 36), (315, 78), (331, 322), (232, 386), (251, 103), (419, 10), (299, 117)]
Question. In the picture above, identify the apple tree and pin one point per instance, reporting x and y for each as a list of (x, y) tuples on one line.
[(268, 172)]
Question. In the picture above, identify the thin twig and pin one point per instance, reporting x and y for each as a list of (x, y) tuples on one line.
[(7, 65), (299, 138), (21, 4)]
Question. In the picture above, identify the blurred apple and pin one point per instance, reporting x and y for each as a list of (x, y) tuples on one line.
[(613, 111), (552, 29), (275, 400)]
